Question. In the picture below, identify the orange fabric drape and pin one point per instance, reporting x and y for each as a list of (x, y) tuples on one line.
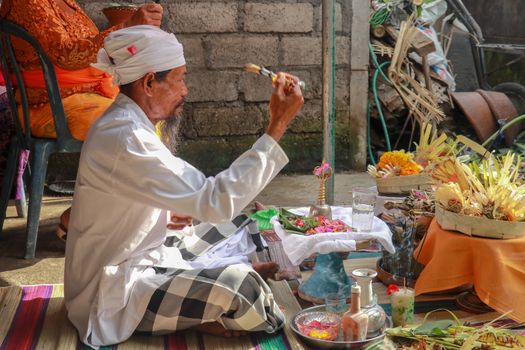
[(496, 268), (82, 110), (68, 79)]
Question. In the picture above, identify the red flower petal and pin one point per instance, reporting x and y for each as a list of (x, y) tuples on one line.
[(391, 289)]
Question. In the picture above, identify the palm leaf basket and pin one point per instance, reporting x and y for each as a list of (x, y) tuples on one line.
[(479, 226), (404, 184)]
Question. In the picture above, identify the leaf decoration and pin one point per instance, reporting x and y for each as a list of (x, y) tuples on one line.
[(434, 328), (296, 223)]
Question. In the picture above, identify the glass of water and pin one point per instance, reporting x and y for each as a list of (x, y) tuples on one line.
[(363, 202), (336, 302)]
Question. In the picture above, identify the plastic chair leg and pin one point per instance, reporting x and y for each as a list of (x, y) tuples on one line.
[(9, 177), (39, 163)]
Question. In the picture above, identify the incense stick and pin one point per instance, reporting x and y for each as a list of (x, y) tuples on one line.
[(253, 68)]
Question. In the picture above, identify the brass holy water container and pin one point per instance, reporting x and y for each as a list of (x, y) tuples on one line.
[(323, 173)]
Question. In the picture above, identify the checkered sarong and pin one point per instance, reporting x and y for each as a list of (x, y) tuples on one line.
[(206, 236), (235, 296)]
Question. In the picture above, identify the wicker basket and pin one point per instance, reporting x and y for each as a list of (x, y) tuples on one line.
[(404, 184), (479, 226)]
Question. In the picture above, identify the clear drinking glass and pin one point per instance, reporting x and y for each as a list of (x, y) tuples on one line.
[(336, 303), (363, 203)]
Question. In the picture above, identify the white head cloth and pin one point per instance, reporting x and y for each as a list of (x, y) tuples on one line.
[(130, 53)]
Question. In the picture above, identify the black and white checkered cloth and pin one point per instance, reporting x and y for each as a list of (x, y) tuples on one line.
[(235, 296)]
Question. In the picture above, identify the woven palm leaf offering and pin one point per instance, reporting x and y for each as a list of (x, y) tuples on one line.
[(450, 335), (399, 172), (491, 205), (308, 226)]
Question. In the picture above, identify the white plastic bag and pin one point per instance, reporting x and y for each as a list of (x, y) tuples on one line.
[(432, 11), (436, 60)]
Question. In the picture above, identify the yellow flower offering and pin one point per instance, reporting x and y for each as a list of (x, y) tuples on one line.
[(399, 162)]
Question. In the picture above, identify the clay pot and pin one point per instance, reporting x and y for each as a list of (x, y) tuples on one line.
[(483, 109), (502, 108), (477, 112), (118, 14)]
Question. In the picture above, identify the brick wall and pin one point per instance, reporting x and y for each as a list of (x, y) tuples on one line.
[(227, 108)]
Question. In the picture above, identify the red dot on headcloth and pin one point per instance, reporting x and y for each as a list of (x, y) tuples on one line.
[(132, 49)]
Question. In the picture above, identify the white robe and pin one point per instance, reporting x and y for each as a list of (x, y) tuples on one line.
[(126, 183)]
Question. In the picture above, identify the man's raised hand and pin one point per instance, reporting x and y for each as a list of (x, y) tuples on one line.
[(286, 100), (146, 14)]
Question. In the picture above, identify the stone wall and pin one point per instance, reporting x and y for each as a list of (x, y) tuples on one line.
[(227, 109)]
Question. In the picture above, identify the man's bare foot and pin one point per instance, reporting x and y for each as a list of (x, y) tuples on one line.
[(266, 270), (215, 328), (259, 206)]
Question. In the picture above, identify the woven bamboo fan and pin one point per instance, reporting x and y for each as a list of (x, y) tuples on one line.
[(404, 184), (479, 226)]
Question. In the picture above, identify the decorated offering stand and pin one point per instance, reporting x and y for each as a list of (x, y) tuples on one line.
[(329, 276), (331, 238)]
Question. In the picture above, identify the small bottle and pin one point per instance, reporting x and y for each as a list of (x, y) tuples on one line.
[(355, 322)]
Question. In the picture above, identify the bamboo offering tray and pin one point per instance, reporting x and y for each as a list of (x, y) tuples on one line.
[(479, 226), (404, 184)]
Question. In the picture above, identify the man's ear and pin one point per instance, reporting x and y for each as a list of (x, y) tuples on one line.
[(147, 83)]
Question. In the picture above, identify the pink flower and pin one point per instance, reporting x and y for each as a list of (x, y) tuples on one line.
[(321, 170)]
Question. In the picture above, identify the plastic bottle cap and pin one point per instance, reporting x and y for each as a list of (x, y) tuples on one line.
[(356, 288)]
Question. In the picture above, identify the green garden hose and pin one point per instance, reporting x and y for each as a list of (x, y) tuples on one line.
[(503, 128), (378, 71), (379, 17), (370, 153), (378, 105)]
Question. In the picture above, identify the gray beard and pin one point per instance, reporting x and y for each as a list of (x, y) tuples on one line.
[(169, 132)]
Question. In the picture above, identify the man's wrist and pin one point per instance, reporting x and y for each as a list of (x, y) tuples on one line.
[(276, 131)]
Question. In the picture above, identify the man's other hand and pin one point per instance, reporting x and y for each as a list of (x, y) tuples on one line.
[(146, 14), (286, 100)]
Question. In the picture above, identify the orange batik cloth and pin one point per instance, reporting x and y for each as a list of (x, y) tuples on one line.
[(71, 40), (496, 268)]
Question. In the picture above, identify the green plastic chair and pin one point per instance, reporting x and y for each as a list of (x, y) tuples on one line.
[(40, 148)]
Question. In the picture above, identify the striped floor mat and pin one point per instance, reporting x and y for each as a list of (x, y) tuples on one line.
[(34, 317)]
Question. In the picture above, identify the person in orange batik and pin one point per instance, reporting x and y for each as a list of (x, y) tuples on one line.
[(71, 40)]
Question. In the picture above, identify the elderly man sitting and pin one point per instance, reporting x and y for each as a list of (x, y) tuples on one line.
[(122, 274)]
